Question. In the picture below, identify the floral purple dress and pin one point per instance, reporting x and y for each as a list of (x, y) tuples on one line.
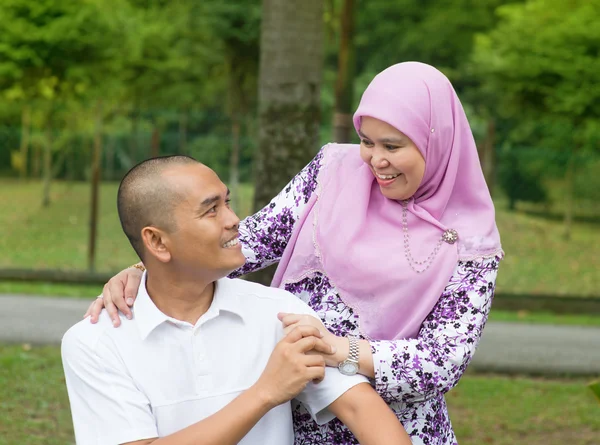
[(410, 375)]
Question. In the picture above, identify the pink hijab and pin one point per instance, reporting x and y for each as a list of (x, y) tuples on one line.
[(356, 237)]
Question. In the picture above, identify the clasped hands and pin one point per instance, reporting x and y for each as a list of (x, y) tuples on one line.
[(339, 344)]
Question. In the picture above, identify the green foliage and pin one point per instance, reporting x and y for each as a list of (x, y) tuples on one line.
[(54, 47), (439, 32), (542, 62), (519, 181)]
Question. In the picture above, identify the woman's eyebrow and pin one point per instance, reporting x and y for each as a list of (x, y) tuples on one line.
[(383, 140)]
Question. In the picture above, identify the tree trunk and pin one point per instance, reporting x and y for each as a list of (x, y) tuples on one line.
[(70, 164), (95, 185), (342, 116), (110, 159), (183, 126), (133, 142), (47, 167), (291, 53), (36, 161), (569, 196), (25, 132), (155, 142), (234, 164)]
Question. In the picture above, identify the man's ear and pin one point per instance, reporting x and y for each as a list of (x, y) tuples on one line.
[(156, 243)]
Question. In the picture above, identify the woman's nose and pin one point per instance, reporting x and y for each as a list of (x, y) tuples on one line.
[(379, 161)]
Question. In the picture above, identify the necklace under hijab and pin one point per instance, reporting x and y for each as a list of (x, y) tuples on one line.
[(449, 236)]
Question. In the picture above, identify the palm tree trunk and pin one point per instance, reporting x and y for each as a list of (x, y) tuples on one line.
[(234, 163), (183, 127), (47, 167), (569, 196), (291, 58), (155, 142), (25, 132), (342, 116), (95, 186)]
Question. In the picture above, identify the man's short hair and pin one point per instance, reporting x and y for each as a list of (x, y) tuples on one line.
[(146, 199)]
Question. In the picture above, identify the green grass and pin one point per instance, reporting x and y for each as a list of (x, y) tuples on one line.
[(33, 397), (508, 411), (544, 318), (483, 409), (538, 261)]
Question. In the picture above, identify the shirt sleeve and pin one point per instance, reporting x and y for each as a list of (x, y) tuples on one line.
[(316, 397), (106, 406), (418, 369), (265, 235)]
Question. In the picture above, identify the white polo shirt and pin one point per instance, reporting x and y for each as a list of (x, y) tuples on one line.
[(155, 375)]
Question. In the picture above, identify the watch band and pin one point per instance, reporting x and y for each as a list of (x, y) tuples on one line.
[(354, 349), (350, 365)]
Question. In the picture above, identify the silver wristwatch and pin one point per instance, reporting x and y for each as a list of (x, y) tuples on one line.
[(350, 365)]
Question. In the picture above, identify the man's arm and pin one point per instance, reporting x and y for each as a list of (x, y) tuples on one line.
[(227, 426), (370, 419), (287, 373), (108, 408)]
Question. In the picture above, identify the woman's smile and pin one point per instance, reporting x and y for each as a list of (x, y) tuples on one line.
[(385, 180)]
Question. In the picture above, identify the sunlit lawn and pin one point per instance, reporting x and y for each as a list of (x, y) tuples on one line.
[(484, 409), (539, 260), (510, 411), (56, 237)]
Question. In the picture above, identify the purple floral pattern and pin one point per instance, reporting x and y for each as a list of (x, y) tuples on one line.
[(411, 375)]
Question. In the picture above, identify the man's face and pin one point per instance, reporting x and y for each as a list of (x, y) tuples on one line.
[(205, 237)]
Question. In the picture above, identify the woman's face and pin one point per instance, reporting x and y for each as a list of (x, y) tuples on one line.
[(394, 159)]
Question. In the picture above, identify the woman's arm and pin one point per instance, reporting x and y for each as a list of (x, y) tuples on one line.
[(265, 235), (419, 369)]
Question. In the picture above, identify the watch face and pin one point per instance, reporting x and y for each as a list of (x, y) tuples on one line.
[(348, 368)]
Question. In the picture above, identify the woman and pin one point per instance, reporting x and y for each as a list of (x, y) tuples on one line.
[(393, 243)]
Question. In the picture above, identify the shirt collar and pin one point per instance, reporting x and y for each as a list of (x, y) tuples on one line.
[(148, 317)]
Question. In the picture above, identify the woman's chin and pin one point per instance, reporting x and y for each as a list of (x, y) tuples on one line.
[(395, 194)]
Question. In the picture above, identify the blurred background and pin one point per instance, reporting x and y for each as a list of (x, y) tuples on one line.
[(89, 88)]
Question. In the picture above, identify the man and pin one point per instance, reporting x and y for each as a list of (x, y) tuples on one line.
[(205, 360)]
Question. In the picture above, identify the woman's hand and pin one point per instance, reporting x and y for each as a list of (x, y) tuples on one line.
[(340, 344), (118, 295)]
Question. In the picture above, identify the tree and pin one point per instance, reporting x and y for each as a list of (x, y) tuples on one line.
[(344, 85), (542, 63), (438, 32), (48, 51), (291, 52), (236, 28)]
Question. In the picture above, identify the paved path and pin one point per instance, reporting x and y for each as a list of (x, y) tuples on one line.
[(505, 347)]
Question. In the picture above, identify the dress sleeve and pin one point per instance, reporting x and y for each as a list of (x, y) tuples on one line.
[(265, 235), (418, 369), (317, 397)]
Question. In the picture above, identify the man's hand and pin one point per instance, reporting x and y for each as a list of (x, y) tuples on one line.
[(290, 369), (292, 321)]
